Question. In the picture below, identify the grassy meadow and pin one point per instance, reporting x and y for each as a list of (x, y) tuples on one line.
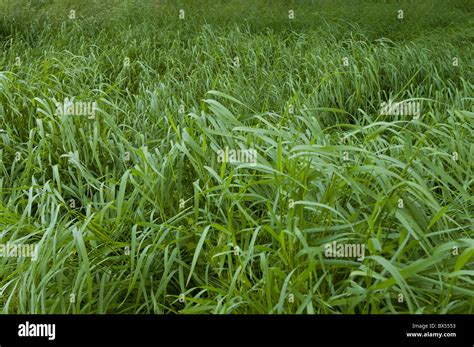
[(132, 208)]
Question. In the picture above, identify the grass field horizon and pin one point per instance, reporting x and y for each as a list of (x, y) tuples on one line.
[(278, 157)]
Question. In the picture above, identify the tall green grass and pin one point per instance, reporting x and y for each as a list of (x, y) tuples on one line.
[(133, 212)]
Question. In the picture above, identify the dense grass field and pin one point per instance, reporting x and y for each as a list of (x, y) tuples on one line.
[(132, 208)]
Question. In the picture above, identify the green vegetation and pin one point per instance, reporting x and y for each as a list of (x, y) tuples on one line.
[(132, 211)]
